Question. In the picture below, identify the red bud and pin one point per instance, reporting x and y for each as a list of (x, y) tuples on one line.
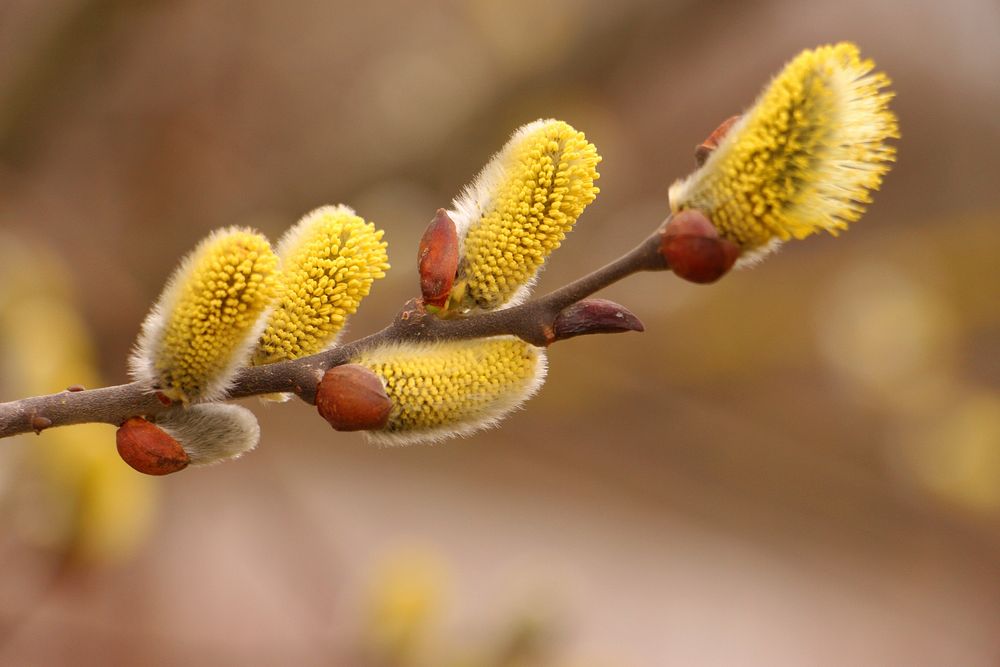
[(593, 316), (437, 259), (693, 250), (706, 147), (352, 398), (149, 449), (39, 424)]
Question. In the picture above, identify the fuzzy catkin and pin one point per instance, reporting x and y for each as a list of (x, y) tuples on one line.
[(206, 322), (212, 432), (518, 210), (329, 260), (804, 158), (453, 388)]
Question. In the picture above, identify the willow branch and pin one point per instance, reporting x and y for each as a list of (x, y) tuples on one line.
[(531, 321)]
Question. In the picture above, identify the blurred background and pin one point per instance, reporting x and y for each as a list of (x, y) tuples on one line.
[(798, 465)]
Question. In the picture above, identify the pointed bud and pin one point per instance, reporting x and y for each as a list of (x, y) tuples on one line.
[(706, 147), (594, 316), (437, 259), (353, 398), (693, 250), (149, 449)]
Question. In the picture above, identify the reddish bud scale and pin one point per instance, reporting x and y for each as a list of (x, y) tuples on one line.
[(437, 259), (593, 316), (149, 449), (706, 147), (693, 250), (352, 398), (39, 424)]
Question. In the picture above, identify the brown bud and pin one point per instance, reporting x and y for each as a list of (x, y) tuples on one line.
[(593, 316), (693, 250), (437, 259), (706, 147), (352, 398), (149, 449), (39, 423)]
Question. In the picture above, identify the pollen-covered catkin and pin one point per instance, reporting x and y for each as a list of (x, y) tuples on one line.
[(329, 260), (452, 388), (518, 210), (208, 318), (804, 158)]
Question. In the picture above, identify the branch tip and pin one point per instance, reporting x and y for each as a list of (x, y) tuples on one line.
[(594, 316)]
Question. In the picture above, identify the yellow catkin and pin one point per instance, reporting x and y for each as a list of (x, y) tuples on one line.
[(208, 318), (519, 209), (329, 261), (454, 388), (804, 158)]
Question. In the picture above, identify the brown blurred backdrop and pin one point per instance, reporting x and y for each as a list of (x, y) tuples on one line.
[(799, 465)]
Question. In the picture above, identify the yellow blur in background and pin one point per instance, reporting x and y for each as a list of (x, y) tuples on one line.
[(68, 492)]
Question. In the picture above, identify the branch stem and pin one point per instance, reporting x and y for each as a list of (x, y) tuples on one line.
[(531, 321)]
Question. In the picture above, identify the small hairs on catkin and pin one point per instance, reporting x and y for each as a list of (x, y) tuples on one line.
[(329, 260), (208, 318), (212, 432), (804, 158), (518, 210), (444, 389)]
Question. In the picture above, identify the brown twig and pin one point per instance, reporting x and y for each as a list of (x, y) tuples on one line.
[(532, 321)]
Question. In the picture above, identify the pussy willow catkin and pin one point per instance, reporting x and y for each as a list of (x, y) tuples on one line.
[(519, 209), (206, 322), (453, 388), (329, 260), (804, 158)]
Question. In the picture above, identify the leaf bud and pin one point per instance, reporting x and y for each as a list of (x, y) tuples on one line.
[(594, 316)]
